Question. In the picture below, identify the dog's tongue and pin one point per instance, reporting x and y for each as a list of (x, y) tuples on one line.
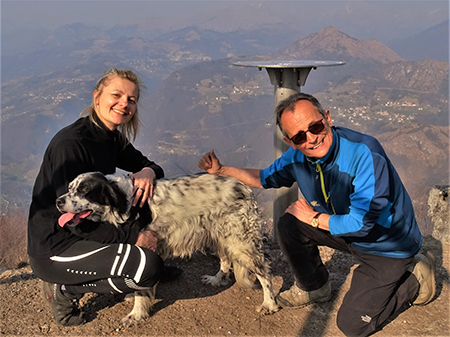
[(75, 218)]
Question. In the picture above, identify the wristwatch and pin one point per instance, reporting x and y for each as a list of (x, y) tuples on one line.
[(315, 221)]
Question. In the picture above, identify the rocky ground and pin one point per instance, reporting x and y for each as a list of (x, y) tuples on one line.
[(187, 307)]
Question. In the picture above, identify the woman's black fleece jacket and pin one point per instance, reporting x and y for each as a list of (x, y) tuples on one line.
[(79, 148)]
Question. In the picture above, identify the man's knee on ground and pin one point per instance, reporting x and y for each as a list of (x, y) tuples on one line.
[(352, 324)]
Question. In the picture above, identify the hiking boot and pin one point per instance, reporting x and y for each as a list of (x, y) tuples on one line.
[(295, 297), (65, 310), (424, 271)]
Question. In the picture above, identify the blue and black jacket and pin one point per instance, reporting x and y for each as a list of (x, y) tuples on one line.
[(359, 187)]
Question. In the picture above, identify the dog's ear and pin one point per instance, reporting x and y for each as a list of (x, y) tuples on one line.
[(116, 198), (98, 176)]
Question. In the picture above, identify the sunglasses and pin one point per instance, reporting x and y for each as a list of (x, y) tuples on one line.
[(315, 129)]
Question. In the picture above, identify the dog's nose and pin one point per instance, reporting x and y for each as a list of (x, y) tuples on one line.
[(60, 202)]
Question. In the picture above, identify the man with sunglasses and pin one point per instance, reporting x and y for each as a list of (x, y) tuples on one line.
[(354, 201)]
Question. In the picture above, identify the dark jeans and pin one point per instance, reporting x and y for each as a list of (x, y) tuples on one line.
[(88, 266), (380, 285)]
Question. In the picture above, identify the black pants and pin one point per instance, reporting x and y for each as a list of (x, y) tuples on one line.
[(88, 266), (380, 285)]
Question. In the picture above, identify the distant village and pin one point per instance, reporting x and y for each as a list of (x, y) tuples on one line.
[(399, 111), (359, 114)]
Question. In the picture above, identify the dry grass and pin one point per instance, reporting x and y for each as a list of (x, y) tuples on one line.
[(13, 240)]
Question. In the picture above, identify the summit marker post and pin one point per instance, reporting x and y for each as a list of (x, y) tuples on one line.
[(287, 77)]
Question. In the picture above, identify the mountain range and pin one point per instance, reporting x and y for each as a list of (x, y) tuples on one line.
[(331, 41), (431, 43), (388, 22), (197, 100)]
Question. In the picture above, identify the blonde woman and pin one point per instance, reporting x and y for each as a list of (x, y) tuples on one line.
[(72, 263)]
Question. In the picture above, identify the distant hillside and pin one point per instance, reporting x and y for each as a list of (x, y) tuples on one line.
[(426, 76), (430, 44), (420, 154), (70, 34)]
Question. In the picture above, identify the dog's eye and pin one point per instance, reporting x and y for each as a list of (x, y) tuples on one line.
[(82, 189)]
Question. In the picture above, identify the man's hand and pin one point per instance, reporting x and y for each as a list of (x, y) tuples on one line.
[(302, 211), (210, 163), (147, 239)]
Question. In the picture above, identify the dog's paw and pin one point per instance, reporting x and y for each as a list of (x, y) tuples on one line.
[(215, 281), (133, 319), (267, 310)]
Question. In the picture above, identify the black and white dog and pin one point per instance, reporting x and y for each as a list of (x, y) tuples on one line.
[(189, 214)]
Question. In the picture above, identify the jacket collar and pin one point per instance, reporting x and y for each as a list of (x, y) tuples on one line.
[(99, 126)]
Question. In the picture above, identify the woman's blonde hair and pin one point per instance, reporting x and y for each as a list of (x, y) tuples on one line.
[(131, 128)]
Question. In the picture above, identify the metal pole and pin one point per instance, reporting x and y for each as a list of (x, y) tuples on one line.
[(286, 82)]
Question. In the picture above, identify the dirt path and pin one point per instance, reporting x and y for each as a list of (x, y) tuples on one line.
[(187, 307)]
